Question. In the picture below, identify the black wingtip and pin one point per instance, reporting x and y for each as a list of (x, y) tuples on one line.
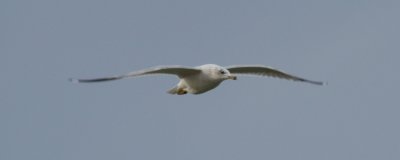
[(312, 82), (73, 80), (316, 82), (319, 83)]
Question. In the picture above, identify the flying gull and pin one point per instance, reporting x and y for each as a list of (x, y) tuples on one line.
[(200, 79)]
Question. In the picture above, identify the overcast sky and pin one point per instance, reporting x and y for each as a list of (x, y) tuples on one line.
[(350, 44)]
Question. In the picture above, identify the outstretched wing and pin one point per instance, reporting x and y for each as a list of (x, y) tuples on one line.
[(267, 71), (180, 71)]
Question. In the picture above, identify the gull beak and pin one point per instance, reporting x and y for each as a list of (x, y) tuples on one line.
[(232, 77)]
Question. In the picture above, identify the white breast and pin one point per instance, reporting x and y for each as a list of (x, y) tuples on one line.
[(200, 83)]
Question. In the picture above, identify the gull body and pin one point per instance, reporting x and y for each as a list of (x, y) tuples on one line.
[(200, 79), (211, 76)]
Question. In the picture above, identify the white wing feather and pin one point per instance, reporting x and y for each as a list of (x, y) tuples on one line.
[(267, 71), (180, 71)]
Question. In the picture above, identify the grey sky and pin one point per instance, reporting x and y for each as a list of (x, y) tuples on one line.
[(352, 45)]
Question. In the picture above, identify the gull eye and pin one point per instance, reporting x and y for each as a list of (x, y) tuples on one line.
[(222, 71)]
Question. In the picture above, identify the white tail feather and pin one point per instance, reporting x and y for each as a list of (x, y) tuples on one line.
[(173, 90)]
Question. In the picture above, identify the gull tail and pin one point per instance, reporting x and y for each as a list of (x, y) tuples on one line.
[(173, 90), (177, 90)]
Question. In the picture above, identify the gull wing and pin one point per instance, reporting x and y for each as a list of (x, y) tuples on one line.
[(180, 71), (267, 71)]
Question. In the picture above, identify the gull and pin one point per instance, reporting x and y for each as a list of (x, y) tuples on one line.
[(200, 79)]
